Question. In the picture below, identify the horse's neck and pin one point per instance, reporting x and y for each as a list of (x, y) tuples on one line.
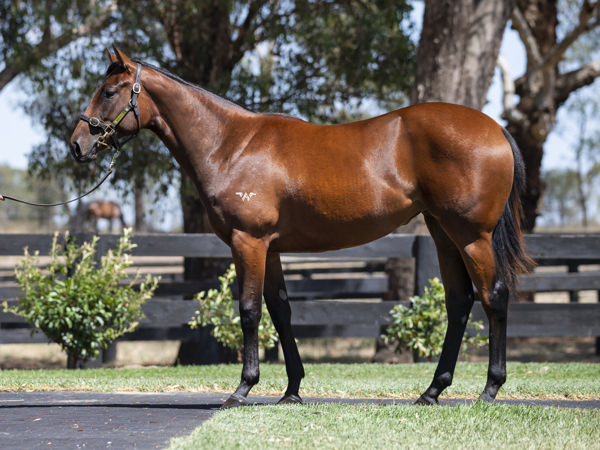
[(192, 123)]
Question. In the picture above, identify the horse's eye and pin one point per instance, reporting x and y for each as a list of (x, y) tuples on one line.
[(108, 93)]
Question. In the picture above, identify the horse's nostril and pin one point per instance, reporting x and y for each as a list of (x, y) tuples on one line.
[(76, 150)]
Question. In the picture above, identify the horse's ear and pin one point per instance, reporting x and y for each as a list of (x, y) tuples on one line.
[(111, 56), (123, 59)]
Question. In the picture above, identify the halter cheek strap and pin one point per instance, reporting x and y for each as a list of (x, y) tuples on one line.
[(110, 129), (109, 132)]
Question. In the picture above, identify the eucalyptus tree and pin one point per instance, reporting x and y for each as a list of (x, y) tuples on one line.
[(560, 39)]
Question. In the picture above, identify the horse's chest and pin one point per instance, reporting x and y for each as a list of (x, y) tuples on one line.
[(245, 209)]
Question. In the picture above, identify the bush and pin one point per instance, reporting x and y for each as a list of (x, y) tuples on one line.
[(421, 327), (80, 304), (216, 310)]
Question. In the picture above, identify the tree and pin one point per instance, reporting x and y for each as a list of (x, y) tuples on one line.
[(560, 60), (457, 54), (570, 192), (560, 202), (33, 30), (458, 49)]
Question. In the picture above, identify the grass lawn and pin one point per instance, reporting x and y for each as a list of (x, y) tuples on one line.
[(397, 427), (525, 380), (365, 425)]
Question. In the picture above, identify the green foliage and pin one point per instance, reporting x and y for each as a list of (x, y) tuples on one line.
[(80, 304), (421, 327), (216, 309)]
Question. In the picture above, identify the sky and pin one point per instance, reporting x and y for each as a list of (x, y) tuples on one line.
[(19, 134)]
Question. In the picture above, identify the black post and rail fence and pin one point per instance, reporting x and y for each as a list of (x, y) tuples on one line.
[(338, 293)]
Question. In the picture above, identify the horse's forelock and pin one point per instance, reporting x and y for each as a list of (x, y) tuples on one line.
[(115, 67)]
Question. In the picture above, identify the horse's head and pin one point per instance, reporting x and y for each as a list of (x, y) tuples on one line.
[(116, 110)]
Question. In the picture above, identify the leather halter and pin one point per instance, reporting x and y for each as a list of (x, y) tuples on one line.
[(109, 133), (110, 129)]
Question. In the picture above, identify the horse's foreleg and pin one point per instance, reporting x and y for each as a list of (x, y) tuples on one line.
[(279, 309), (459, 301), (249, 255)]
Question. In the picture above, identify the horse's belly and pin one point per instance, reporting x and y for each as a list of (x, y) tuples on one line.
[(313, 231)]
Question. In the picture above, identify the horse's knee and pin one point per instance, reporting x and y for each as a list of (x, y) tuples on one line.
[(250, 317)]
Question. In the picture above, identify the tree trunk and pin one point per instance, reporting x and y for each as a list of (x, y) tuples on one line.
[(458, 50), (140, 210), (535, 20), (203, 348)]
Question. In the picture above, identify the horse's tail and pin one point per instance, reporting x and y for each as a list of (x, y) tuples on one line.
[(507, 240)]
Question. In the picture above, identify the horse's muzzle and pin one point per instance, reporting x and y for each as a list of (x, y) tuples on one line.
[(78, 154)]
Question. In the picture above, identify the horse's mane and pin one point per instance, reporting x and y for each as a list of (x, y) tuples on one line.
[(176, 78)]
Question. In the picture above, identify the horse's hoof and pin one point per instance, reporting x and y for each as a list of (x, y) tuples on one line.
[(424, 400), (234, 401), (291, 399), (485, 397)]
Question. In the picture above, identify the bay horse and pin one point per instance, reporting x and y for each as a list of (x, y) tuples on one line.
[(109, 210), (273, 184)]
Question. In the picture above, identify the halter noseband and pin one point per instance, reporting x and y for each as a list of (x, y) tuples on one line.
[(109, 131), (111, 128)]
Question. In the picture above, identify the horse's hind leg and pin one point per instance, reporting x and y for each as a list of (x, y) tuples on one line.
[(495, 303), (478, 257), (459, 301), (279, 309)]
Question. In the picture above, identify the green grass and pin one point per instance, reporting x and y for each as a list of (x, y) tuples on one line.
[(525, 380), (365, 425), (385, 427)]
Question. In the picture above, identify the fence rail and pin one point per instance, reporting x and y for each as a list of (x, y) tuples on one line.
[(166, 313)]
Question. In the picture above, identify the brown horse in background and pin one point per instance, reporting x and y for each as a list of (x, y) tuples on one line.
[(109, 210), (272, 184)]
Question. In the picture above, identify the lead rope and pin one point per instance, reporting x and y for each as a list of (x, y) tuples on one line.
[(106, 175)]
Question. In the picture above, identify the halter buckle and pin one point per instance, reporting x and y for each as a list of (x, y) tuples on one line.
[(94, 121), (137, 88)]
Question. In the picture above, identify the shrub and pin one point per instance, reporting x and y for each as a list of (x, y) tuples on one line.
[(79, 303), (421, 327), (216, 309)]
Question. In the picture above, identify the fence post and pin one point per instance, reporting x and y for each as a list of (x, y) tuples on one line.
[(573, 268), (598, 337), (426, 262)]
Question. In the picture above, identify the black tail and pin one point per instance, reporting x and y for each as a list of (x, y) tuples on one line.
[(511, 258)]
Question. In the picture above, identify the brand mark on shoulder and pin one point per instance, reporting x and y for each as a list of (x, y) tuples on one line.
[(246, 196)]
